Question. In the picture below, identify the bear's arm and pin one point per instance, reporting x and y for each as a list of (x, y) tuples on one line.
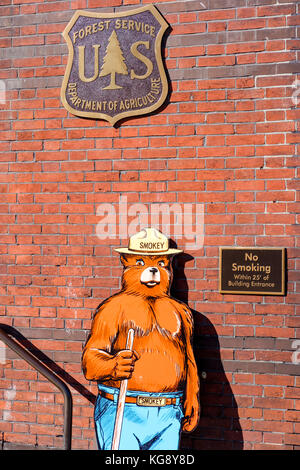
[(191, 405), (97, 360)]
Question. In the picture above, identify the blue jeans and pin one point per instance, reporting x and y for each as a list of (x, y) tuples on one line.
[(144, 427)]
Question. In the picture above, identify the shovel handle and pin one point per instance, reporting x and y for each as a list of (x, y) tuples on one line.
[(121, 399)]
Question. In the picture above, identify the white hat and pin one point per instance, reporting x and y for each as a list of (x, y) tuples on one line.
[(149, 241)]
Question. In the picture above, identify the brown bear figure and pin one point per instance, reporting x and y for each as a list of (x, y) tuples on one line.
[(162, 395)]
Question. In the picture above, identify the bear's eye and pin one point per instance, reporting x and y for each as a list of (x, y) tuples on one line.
[(161, 263), (140, 262)]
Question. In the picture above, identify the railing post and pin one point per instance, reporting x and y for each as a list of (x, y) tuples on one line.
[(30, 359)]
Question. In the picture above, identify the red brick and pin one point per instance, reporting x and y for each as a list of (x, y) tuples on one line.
[(292, 439), (256, 23), (187, 51), (275, 10), (245, 47)]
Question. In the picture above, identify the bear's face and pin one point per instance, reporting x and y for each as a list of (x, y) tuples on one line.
[(148, 276)]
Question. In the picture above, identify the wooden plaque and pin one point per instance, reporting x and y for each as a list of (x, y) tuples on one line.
[(252, 271)]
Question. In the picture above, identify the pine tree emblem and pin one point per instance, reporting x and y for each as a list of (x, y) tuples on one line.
[(113, 62)]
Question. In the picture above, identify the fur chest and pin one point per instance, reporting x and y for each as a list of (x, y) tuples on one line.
[(153, 314)]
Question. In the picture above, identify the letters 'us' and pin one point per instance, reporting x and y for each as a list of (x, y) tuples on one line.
[(115, 67)]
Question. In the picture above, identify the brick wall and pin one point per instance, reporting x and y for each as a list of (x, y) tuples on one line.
[(227, 139)]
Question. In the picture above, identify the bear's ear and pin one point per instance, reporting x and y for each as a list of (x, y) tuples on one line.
[(124, 259)]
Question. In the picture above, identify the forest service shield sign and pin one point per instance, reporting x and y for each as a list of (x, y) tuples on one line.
[(115, 66)]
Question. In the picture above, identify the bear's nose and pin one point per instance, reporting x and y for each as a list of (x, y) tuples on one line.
[(153, 270)]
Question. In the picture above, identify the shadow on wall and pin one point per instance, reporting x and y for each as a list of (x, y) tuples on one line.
[(219, 427)]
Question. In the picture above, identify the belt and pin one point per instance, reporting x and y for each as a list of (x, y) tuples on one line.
[(143, 400)]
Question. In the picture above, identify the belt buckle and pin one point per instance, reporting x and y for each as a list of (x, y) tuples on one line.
[(151, 401)]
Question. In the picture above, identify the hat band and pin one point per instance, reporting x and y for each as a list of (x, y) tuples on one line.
[(149, 247), (147, 251)]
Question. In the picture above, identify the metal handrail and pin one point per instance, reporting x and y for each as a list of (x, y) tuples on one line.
[(12, 344)]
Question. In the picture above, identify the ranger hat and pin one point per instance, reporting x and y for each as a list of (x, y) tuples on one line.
[(149, 241)]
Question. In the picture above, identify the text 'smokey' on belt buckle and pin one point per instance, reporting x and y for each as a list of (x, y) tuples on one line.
[(151, 401)]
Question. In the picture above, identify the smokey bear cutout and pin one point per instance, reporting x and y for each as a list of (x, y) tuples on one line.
[(161, 397)]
